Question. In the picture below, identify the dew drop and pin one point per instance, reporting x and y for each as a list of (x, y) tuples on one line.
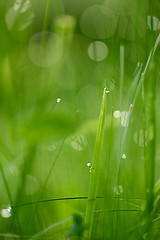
[(124, 156), (106, 90), (58, 100), (88, 164), (6, 213)]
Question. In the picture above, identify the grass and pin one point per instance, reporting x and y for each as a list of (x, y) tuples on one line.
[(85, 166), (95, 170)]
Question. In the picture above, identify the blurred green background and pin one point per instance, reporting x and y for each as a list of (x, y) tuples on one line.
[(56, 56)]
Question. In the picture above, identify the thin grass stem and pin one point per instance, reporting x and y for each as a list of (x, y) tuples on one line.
[(95, 170)]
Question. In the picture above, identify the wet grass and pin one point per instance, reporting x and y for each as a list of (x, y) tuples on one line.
[(76, 163)]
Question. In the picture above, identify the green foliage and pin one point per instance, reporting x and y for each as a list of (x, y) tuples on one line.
[(68, 168)]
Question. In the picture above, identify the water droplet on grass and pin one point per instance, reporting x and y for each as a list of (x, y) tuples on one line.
[(6, 213), (88, 164), (124, 156), (58, 100), (106, 90)]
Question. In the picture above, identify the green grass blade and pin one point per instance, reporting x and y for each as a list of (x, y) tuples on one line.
[(74, 198), (95, 170), (137, 92), (151, 139), (121, 72), (46, 17), (9, 196), (156, 43)]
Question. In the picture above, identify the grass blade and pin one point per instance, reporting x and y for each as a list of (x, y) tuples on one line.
[(95, 170), (9, 195), (150, 161)]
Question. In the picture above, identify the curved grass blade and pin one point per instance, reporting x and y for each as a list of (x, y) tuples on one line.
[(74, 198)]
